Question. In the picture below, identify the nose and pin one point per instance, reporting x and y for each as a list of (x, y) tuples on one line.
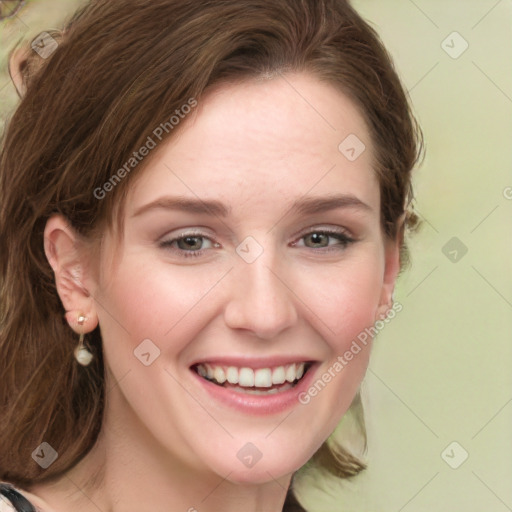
[(261, 299)]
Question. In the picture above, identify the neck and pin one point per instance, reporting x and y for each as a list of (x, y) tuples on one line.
[(128, 470)]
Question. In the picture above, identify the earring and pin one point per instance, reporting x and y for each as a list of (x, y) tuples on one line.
[(82, 355)]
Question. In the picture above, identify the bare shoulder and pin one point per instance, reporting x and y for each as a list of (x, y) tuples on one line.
[(6, 505)]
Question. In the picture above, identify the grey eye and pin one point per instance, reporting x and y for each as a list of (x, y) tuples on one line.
[(318, 239), (190, 242)]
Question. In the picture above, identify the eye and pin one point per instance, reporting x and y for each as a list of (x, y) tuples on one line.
[(320, 238), (188, 245)]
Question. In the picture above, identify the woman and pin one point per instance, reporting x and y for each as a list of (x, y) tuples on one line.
[(203, 210)]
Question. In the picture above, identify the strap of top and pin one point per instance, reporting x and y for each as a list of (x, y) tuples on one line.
[(20, 503)]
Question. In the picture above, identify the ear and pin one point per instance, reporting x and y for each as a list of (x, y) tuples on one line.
[(18, 62), (391, 270), (64, 251)]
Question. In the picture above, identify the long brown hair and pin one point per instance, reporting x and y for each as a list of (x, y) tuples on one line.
[(121, 68)]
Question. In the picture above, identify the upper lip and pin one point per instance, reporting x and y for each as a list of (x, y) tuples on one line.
[(253, 362)]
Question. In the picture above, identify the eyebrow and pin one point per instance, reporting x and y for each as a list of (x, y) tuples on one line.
[(304, 206)]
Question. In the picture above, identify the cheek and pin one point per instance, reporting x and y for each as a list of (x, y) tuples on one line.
[(163, 302), (143, 301), (345, 299), (154, 300), (345, 302)]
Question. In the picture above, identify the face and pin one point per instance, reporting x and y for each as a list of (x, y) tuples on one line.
[(252, 259)]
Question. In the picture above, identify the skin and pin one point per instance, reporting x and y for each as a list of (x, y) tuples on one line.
[(256, 147)]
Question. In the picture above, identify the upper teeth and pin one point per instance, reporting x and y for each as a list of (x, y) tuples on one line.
[(247, 377)]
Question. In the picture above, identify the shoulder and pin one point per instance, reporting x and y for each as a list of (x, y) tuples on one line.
[(12, 499), (6, 506)]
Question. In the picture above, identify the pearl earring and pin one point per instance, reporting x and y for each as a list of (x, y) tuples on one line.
[(82, 355)]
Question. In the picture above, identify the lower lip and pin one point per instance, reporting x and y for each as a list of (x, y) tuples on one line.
[(258, 404)]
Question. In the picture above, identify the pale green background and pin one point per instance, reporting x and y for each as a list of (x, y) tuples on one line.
[(441, 370)]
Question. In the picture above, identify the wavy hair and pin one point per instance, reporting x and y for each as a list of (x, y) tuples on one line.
[(121, 68)]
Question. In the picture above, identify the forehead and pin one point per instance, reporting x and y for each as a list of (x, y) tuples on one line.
[(264, 141)]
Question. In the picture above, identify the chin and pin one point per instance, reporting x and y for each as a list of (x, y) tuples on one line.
[(250, 466), (262, 475)]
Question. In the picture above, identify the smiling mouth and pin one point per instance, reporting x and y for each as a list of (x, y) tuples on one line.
[(261, 381)]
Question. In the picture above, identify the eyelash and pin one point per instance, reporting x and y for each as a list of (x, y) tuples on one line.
[(344, 241)]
